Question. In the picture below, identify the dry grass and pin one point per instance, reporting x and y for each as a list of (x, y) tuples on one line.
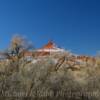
[(41, 81)]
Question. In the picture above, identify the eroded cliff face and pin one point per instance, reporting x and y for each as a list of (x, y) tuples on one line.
[(50, 78)]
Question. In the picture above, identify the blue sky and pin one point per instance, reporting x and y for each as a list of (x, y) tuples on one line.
[(71, 24)]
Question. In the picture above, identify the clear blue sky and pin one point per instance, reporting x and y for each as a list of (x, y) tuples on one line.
[(72, 24)]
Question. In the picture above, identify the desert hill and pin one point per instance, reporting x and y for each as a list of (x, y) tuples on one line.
[(49, 73)]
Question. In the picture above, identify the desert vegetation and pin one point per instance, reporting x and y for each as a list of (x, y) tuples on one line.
[(46, 78)]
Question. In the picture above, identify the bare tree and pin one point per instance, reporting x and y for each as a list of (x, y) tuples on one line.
[(18, 44)]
